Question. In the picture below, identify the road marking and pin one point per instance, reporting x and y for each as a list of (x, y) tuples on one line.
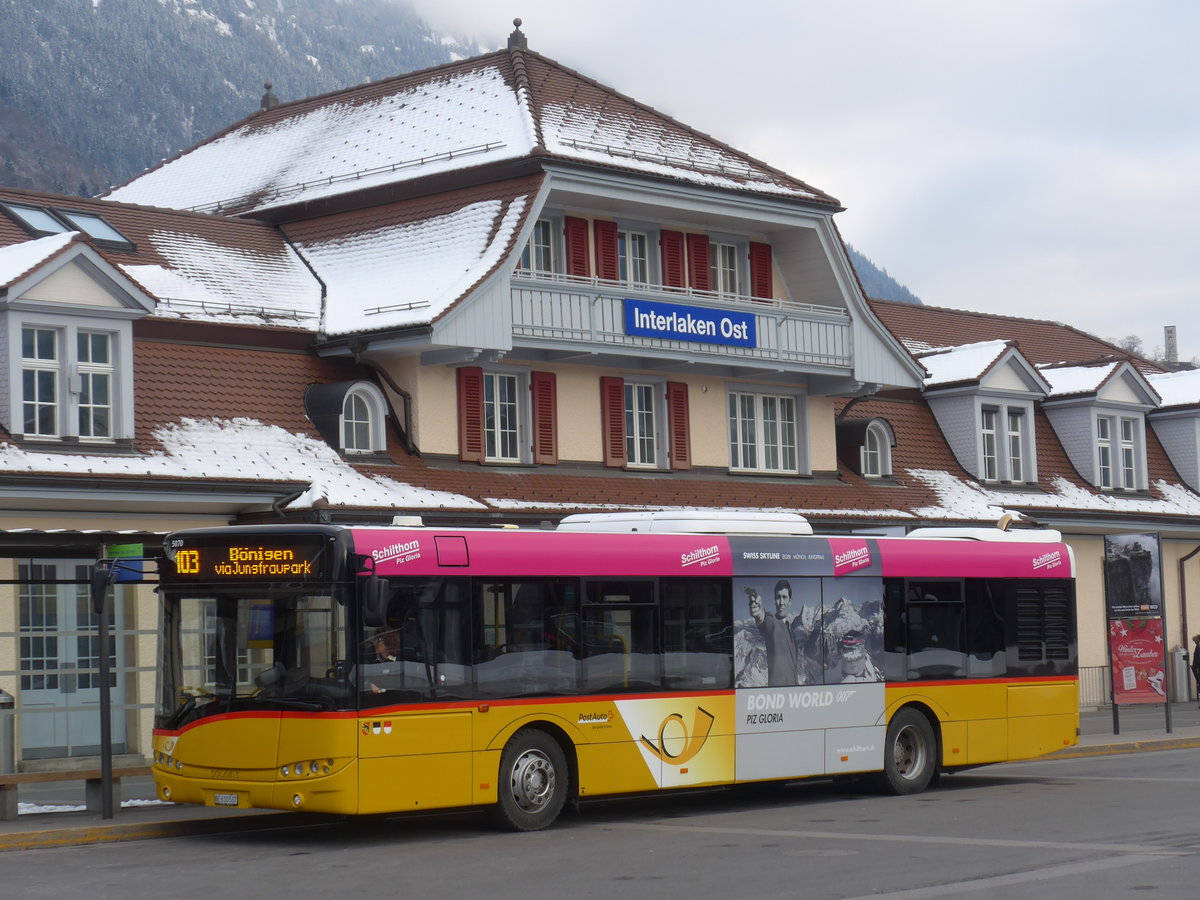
[(1092, 778), (1123, 849), (998, 881)]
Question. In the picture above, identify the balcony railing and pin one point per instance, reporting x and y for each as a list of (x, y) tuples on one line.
[(588, 312)]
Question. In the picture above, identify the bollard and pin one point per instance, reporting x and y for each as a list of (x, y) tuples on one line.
[(8, 755)]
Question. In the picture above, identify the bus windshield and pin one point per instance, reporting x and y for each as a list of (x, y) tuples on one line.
[(252, 648)]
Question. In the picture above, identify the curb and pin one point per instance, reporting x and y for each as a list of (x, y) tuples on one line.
[(112, 833), (1076, 752)]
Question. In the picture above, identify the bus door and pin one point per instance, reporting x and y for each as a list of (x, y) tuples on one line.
[(415, 742)]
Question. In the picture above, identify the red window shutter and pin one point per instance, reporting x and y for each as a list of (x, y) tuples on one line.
[(612, 420), (470, 414), (698, 260), (671, 243), (577, 247), (678, 425), (543, 387), (761, 284), (605, 235)]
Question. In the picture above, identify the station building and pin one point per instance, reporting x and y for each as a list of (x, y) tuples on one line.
[(497, 291)]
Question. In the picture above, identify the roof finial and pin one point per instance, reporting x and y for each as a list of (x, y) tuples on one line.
[(269, 100), (516, 40)]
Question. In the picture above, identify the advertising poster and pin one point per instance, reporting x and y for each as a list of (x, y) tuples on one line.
[(1136, 647), (804, 631), (1132, 576)]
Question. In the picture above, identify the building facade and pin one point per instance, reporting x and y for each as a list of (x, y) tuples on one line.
[(498, 291)]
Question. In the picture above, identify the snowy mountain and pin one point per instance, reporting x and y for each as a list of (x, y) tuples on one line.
[(93, 92)]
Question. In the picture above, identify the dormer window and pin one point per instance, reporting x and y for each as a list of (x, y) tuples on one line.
[(350, 415), (865, 446), (876, 451), (68, 383), (1119, 443), (363, 412), (1005, 448)]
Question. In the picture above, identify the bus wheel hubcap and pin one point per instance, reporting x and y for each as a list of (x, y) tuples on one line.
[(909, 752), (532, 781)]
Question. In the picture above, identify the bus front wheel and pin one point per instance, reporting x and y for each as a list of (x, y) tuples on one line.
[(533, 781), (909, 754)]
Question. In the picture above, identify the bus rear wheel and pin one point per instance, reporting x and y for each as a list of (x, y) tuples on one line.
[(532, 783), (909, 754)]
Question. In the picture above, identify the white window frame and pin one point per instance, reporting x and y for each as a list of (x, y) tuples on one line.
[(92, 373), (875, 455), (726, 267), (752, 438), (70, 374), (1005, 442), (1015, 444), (542, 254), (373, 404), (627, 263), (1120, 451), (645, 437), (989, 457), (507, 439), (38, 366)]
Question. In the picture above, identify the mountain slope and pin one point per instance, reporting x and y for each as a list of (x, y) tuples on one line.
[(122, 84)]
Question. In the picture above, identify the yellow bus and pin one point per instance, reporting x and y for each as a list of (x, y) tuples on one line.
[(359, 670)]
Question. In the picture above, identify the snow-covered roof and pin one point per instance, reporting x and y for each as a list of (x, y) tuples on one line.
[(959, 498), (1177, 388), (504, 106), (411, 272), (968, 362), (1065, 380), (241, 449), (203, 279), (17, 260), (353, 140)]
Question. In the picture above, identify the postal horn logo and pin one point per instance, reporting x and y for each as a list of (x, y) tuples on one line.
[(693, 741)]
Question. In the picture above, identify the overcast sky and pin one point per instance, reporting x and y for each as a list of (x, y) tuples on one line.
[(1035, 158)]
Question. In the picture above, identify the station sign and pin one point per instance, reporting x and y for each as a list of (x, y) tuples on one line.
[(695, 324)]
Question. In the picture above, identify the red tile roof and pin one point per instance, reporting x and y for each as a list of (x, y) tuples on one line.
[(1040, 341)]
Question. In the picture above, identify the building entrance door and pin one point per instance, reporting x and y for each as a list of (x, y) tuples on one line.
[(60, 661)]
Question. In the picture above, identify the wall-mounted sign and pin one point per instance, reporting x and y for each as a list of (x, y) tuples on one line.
[(697, 324)]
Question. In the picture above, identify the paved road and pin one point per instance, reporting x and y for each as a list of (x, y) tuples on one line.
[(1086, 828)]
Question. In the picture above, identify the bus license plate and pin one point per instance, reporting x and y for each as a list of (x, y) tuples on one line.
[(225, 799)]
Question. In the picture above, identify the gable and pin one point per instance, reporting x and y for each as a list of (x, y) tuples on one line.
[(74, 285), (1008, 376), (1123, 390)]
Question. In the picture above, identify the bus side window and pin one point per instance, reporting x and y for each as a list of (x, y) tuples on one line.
[(620, 640), (985, 603), (895, 631), (697, 634), (935, 630), (526, 637)]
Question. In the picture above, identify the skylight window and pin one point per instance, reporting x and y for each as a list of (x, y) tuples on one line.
[(36, 219), (94, 227), (41, 221)]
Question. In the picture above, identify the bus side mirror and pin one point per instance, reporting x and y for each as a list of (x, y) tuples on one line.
[(374, 601)]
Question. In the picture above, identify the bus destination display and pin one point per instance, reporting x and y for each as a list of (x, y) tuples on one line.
[(253, 560)]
